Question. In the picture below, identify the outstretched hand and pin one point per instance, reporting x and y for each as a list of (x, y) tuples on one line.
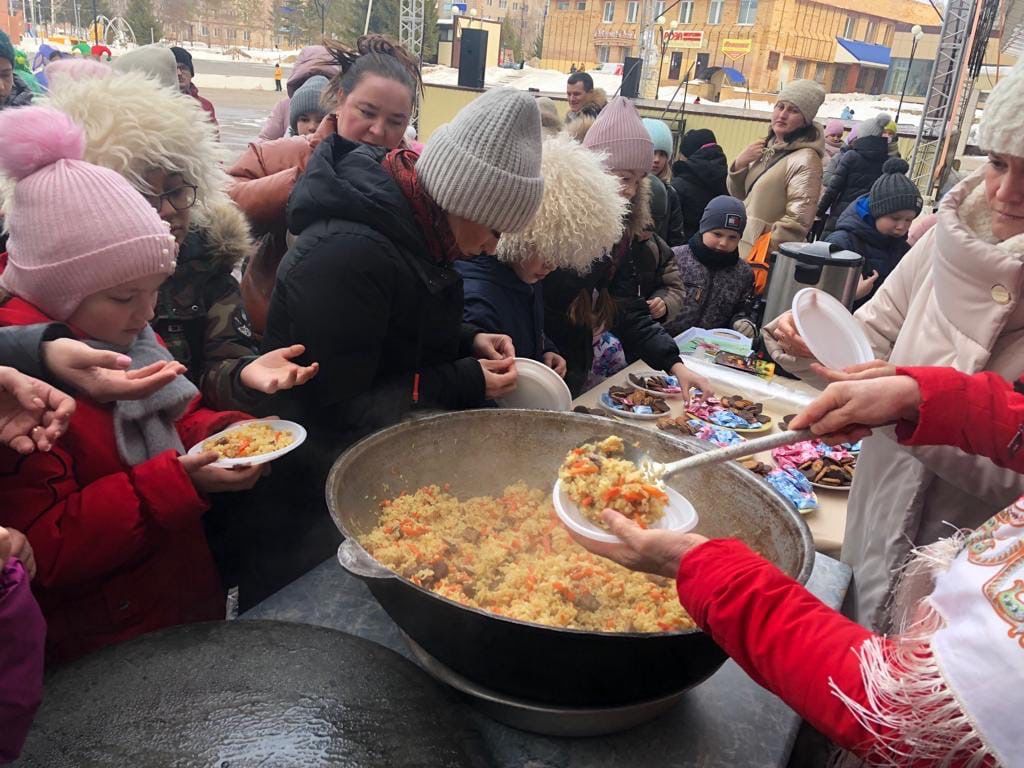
[(103, 375), (33, 414), (275, 370)]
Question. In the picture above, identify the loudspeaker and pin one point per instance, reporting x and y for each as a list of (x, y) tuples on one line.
[(631, 78), (472, 58)]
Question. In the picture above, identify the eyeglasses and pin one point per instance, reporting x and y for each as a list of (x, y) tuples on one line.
[(181, 198)]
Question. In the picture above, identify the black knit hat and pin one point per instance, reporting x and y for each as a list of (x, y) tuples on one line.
[(695, 139), (724, 212), (183, 57), (893, 191)]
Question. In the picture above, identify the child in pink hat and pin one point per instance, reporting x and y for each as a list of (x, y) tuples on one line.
[(114, 511)]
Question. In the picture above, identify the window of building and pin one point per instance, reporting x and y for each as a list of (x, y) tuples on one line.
[(561, 5), (686, 11), (748, 12), (819, 72), (659, 9), (503, 3), (515, 6), (887, 36), (204, 30), (603, 52), (851, 28), (444, 35), (246, 35), (234, 33), (609, 11), (715, 11), (869, 36), (773, 61), (801, 70), (580, 6), (631, 8)]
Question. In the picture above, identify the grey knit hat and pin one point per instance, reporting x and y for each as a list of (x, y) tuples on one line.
[(893, 191), (807, 95), (306, 101), (485, 164), (153, 60), (724, 212), (874, 126)]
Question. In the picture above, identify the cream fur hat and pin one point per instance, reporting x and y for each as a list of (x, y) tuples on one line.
[(581, 213), (133, 125), (1001, 121)]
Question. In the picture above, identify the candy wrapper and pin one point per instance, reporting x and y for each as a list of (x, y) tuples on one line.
[(791, 456), (720, 436), (791, 484)]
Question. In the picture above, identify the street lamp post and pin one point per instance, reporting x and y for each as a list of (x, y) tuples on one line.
[(917, 33), (95, 24), (664, 44)]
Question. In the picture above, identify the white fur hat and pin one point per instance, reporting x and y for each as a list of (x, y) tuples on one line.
[(1001, 124), (581, 213)]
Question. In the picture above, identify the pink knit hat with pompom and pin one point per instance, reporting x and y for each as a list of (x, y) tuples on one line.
[(75, 228)]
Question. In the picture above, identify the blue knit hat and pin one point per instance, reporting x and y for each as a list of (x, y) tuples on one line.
[(660, 135), (306, 101)]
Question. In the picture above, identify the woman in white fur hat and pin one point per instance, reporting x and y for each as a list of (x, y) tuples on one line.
[(580, 213)]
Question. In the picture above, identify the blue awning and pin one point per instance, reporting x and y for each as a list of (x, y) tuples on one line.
[(864, 53), (734, 75)]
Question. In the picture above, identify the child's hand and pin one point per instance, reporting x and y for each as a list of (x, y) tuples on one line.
[(865, 284), (658, 307), (275, 371), (14, 544), (207, 479)]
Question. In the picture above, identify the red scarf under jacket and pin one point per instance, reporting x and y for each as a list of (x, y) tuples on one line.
[(432, 221)]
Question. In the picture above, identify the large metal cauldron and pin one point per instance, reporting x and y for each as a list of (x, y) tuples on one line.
[(479, 453)]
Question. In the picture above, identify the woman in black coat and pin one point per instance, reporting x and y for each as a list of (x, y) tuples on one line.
[(698, 177), (856, 170)]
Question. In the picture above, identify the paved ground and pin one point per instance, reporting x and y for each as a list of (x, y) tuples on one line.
[(241, 114)]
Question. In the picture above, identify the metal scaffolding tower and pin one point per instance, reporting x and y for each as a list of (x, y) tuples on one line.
[(410, 26), (944, 88)]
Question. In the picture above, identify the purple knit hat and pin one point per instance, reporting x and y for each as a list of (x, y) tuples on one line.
[(75, 228), (620, 134)]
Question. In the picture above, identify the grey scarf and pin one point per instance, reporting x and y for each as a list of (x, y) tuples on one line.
[(145, 428)]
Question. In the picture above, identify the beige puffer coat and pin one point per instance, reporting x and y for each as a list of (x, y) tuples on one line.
[(781, 193), (954, 300)]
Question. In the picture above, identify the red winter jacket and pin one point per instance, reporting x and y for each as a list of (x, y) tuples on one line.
[(120, 550), (784, 637), (206, 104)]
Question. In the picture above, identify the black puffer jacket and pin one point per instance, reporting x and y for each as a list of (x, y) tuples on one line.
[(697, 181), (361, 291), (856, 232), (20, 96), (642, 336), (855, 172)]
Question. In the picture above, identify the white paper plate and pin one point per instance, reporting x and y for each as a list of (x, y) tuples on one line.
[(606, 402), (298, 432), (679, 516), (829, 330), (842, 488), (537, 387)]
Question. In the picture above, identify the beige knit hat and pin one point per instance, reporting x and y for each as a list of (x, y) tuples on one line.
[(620, 134), (485, 164), (807, 95), (582, 212), (153, 60), (1001, 121)]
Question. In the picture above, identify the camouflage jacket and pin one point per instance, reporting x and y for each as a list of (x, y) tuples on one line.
[(199, 312)]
